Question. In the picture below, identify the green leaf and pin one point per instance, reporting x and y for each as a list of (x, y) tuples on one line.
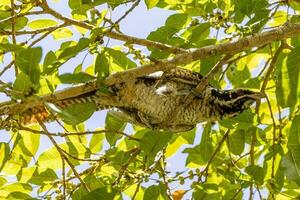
[(200, 154), (19, 24), (73, 49), (51, 158), (4, 154), (29, 142), (118, 60), (77, 113), (114, 124), (179, 140), (151, 3), (28, 62), (287, 90), (96, 143), (207, 191), (7, 47), (2, 180), (238, 74), (107, 193), (50, 63), (178, 21), (199, 33), (80, 77), (152, 192), (256, 173), (291, 161), (42, 176), (62, 33), (22, 86), (102, 66), (153, 142), (19, 195), (42, 23), (236, 142), (16, 187)]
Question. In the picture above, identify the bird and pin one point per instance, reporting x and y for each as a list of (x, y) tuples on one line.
[(160, 101)]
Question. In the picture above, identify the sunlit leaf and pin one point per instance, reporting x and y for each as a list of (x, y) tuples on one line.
[(42, 23), (52, 159), (151, 3), (80, 77), (4, 154), (62, 33)]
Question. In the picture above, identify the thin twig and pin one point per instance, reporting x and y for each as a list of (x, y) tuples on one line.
[(34, 32), (64, 177), (42, 37), (13, 35), (81, 159), (264, 67), (237, 193), (136, 190), (134, 5), (163, 174), (269, 72), (214, 154), (259, 193), (274, 141), (61, 134), (62, 154), (204, 81), (7, 67), (271, 67), (111, 34), (13, 17), (241, 157), (125, 166), (252, 162)]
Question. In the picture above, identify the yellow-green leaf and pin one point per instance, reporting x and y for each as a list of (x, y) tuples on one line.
[(151, 3), (42, 23), (62, 33)]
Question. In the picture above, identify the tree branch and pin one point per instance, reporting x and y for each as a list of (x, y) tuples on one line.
[(285, 31), (204, 81), (11, 18), (214, 154), (114, 35)]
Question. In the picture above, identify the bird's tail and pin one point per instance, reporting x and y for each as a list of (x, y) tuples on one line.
[(35, 109)]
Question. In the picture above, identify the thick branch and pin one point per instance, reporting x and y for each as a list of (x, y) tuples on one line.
[(285, 31)]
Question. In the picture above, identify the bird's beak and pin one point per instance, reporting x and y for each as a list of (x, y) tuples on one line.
[(256, 95)]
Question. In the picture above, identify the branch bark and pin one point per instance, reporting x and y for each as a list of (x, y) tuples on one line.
[(285, 31)]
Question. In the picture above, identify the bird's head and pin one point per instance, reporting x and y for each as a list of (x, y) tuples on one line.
[(230, 103)]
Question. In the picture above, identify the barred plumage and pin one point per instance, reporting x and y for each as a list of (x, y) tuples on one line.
[(157, 102)]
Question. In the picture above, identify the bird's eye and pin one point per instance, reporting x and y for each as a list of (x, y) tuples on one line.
[(240, 92)]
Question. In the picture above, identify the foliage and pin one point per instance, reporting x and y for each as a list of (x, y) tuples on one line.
[(254, 155)]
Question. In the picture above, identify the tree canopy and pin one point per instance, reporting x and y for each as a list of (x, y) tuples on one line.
[(47, 45)]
